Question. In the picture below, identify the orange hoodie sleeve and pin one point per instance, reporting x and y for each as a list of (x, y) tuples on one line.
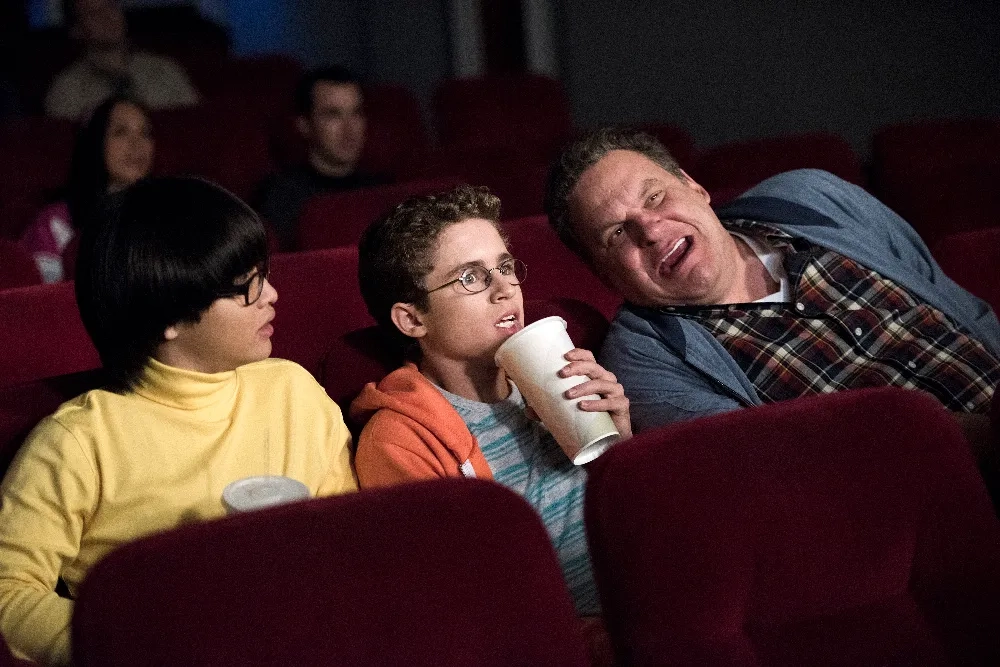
[(390, 451), (412, 434)]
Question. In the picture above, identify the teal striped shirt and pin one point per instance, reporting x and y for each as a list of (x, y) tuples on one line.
[(524, 457)]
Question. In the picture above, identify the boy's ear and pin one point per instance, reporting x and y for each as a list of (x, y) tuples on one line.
[(408, 319)]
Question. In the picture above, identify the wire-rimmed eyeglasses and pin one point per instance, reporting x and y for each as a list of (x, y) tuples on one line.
[(475, 279), (251, 288)]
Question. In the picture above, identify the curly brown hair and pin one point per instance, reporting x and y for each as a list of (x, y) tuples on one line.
[(396, 252)]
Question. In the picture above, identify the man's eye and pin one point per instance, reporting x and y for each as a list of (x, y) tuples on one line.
[(655, 198), (617, 234)]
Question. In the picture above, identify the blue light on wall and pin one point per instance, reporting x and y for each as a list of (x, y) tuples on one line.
[(257, 26)]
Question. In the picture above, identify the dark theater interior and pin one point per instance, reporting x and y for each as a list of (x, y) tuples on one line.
[(774, 225)]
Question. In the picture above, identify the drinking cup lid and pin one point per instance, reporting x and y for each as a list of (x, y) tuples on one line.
[(262, 491)]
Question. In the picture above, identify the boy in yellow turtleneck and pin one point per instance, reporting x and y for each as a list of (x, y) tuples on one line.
[(173, 290)]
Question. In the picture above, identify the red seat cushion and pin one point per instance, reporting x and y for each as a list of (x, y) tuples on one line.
[(445, 573)]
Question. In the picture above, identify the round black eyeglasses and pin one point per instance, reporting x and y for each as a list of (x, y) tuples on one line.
[(252, 288), (475, 279)]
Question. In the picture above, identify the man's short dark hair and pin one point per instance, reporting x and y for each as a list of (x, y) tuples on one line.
[(583, 154), (329, 74), (169, 249), (396, 251)]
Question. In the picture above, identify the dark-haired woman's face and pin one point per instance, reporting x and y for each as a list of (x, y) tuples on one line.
[(128, 146)]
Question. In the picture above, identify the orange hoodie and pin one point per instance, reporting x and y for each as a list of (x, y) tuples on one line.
[(412, 433)]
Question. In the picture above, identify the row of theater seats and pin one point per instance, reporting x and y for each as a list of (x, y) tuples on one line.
[(502, 132), (337, 220), (850, 529)]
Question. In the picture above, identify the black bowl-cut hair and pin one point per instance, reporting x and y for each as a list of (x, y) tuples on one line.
[(161, 256)]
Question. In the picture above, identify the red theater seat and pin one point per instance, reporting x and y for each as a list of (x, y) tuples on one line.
[(318, 299), (42, 335), (553, 269), (338, 219), (217, 140), (36, 154), (17, 267), (265, 84), (972, 259), (678, 141), (526, 115), (927, 169), (850, 529), (48, 359), (365, 355), (450, 573), (728, 170)]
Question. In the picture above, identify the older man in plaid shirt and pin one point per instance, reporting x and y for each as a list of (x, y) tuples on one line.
[(804, 285)]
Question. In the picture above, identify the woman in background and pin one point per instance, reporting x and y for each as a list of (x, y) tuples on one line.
[(113, 149)]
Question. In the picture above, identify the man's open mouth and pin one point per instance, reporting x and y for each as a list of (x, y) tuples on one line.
[(678, 251)]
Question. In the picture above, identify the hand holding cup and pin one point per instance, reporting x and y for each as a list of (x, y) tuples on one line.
[(603, 383)]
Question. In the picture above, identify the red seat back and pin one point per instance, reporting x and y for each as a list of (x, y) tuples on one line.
[(527, 114), (728, 170), (318, 299), (42, 324), (36, 154), (553, 269), (337, 219), (17, 267), (678, 141), (972, 259), (837, 530), (265, 84), (217, 140), (449, 573)]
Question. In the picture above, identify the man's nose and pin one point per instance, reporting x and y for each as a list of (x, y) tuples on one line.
[(645, 227)]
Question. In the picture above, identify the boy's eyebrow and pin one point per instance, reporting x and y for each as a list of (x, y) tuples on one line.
[(478, 262)]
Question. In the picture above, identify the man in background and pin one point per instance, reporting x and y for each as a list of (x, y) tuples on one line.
[(108, 66), (329, 106)]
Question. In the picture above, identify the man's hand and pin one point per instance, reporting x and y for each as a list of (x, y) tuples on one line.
[(603, 383)]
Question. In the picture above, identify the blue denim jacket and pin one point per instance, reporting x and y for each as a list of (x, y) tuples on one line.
[(673, 369)]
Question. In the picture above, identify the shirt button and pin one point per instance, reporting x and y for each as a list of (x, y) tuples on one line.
[(911, 364), (800, 306), (858, 332)]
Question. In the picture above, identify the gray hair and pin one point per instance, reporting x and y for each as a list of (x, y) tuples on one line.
[(583, 154)]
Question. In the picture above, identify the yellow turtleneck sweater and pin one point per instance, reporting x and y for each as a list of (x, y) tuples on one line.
[(108, 468)]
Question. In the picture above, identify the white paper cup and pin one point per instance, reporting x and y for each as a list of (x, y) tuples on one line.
[(254, 493), (532, 359)]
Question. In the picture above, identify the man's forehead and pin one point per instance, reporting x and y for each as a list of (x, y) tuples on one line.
[(335, 93), (617, 175)]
